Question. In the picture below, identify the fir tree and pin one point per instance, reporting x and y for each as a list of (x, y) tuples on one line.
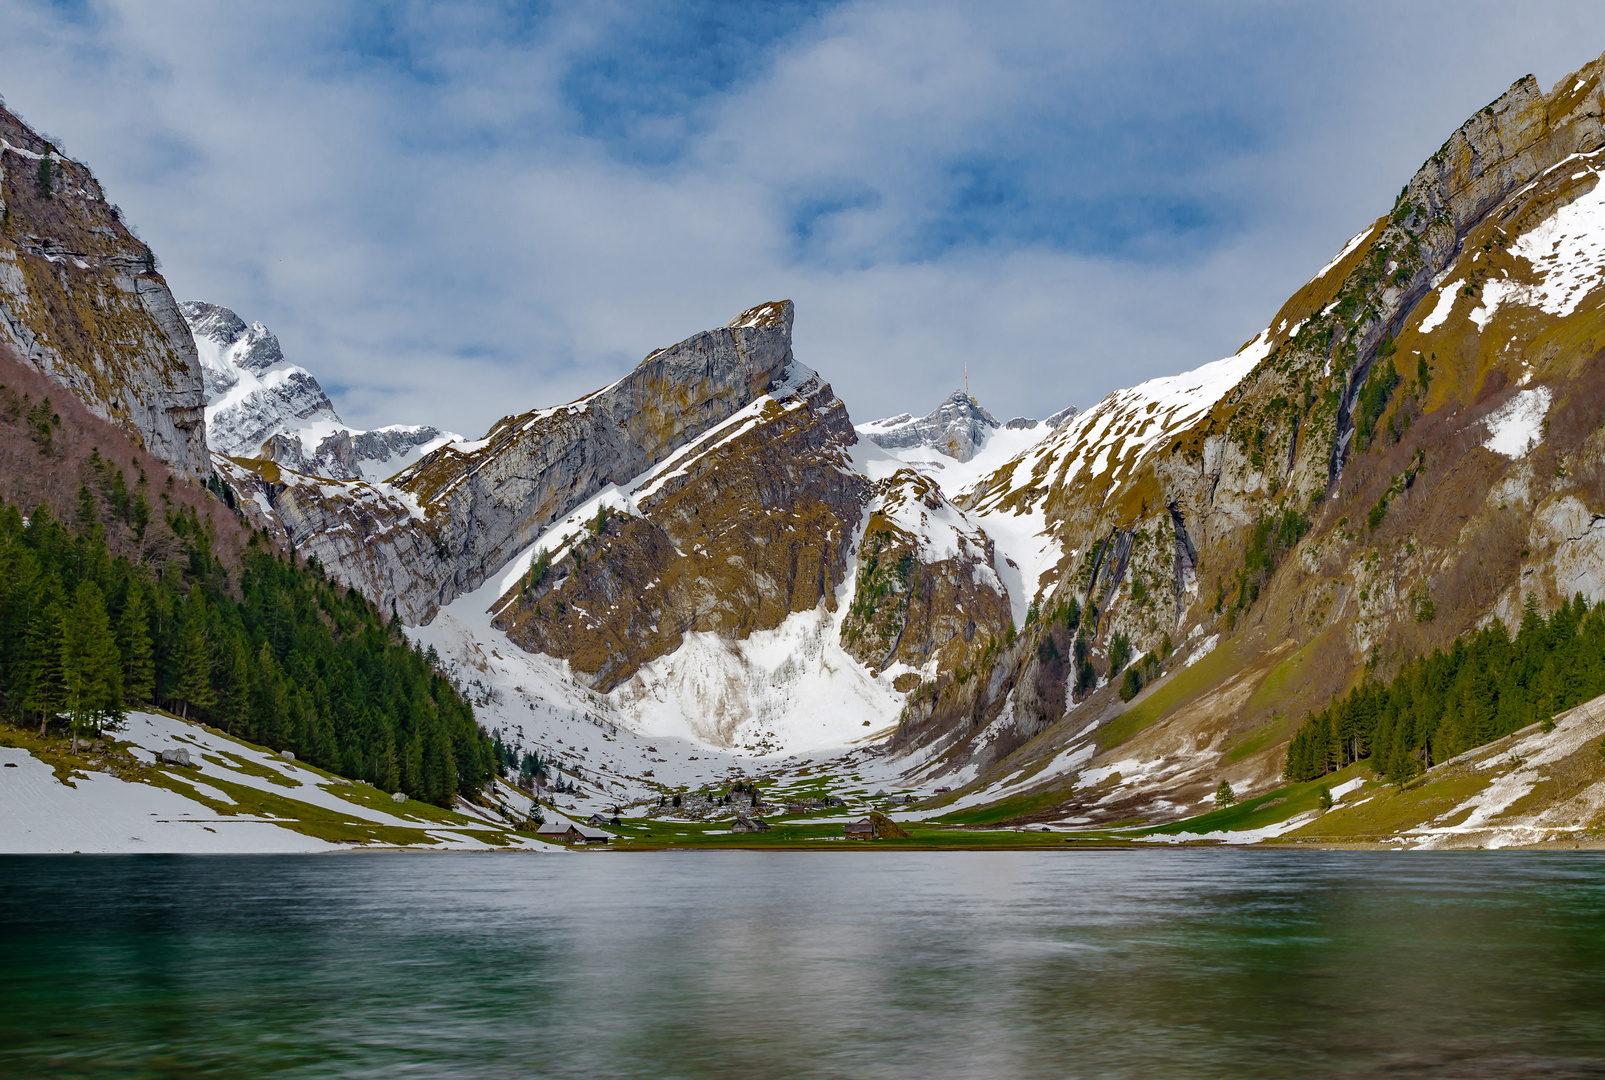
[(192, 663), (42, 693), (133, 642), (233, 686), (91, 667)]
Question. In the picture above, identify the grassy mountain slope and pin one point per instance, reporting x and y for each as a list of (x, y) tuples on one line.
[(1407, 451)]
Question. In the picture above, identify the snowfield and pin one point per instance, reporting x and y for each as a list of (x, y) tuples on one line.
[(101, 813)]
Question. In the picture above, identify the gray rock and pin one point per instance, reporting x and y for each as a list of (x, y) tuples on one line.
[(1021, 423), (441, 526), (133, 363), (1058, 418), (958, 428)]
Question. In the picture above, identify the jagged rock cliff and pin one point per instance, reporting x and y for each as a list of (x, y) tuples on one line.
[(439, 528), (260, 406), (80, 299), (489, 499), (737, 531)]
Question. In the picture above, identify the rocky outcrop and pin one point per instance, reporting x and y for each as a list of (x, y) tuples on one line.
[(1059, 418), (742, 529), (487, 501), (260, 406), (81, 300), (926, 594), (958, 428)]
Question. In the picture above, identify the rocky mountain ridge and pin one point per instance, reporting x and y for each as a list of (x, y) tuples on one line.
[(1388, 464), (260, 406), (1076, 623)]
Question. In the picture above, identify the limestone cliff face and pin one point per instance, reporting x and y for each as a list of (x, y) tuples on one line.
[(740, 529), (440, 527), (80, 300), (363, 532), (486, 503)]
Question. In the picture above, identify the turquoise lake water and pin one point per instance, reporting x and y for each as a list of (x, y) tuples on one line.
[(1144, 964)]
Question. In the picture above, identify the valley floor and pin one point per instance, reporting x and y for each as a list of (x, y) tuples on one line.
[(1534, 789)]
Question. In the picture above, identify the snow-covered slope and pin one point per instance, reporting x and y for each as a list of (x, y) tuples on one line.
[(959, 442), (232, 797), (1024, 553), (258, 405)]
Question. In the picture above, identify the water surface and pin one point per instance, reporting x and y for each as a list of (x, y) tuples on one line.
[(757, 965)]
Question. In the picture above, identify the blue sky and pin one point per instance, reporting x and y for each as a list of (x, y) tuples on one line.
[(450, 212)]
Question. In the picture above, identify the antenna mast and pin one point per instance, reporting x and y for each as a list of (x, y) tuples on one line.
[(966, 378)]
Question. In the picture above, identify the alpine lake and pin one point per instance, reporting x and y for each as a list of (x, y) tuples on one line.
[(853, 964)]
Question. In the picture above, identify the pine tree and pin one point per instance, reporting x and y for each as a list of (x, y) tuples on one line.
[(193, 659), (271, 706), (42, 663), (234, 686), (91, 666), (133, 641)]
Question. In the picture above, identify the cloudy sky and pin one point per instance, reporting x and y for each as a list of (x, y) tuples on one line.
[(451, 212)]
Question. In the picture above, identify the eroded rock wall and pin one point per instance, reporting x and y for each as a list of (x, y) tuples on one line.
[(81, 300)]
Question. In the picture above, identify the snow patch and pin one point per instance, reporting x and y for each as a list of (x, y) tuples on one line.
[(1518, 425), (1440, 311)]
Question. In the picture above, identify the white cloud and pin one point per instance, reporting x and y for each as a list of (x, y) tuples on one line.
[(424, 220)]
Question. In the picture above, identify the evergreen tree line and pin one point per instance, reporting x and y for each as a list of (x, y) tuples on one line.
[(1486, 686), (287, 658)]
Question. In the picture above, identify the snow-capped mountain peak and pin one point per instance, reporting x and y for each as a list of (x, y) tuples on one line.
[(959, 442), (958, 428), (259, 405)]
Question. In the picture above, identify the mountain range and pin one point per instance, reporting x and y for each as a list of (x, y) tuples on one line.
[(1112, 618)]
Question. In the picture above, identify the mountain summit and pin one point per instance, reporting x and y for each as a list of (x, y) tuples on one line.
[(258, 405), (958, 428)]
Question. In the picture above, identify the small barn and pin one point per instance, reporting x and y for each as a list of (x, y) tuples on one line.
[(862, 829), (565, 831), (750, 824)]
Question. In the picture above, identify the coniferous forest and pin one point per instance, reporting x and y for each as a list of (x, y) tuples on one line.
[(275, 653), (1486, 686)]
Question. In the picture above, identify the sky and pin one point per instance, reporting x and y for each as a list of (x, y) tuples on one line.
[(452, 212)]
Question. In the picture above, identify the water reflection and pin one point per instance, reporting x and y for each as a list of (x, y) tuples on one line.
[(858, 964)]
